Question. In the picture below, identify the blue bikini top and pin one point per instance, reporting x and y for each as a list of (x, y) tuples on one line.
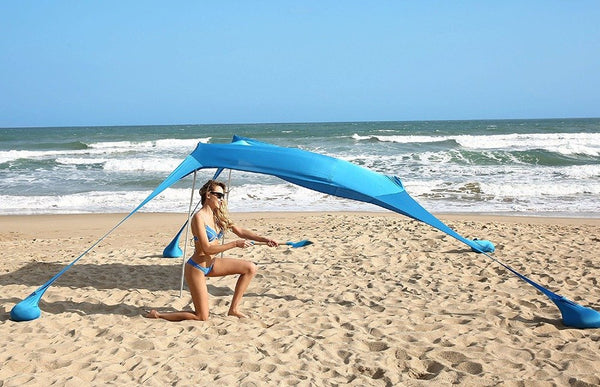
[(212, 234)]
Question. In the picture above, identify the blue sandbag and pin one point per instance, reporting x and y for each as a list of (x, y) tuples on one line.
[(27, 309), (173, 250), (486, 246)]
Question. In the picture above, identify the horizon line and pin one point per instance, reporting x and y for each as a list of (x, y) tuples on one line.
[(294, 122)]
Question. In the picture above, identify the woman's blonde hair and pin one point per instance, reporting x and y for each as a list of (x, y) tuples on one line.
[(221, 215)]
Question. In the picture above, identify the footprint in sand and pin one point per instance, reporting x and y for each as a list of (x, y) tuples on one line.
[(345, 356), (142, 345), (470, 367), (377, 346), (250, 366)]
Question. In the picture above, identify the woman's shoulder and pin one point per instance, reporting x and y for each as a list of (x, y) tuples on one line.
[(198, 218)]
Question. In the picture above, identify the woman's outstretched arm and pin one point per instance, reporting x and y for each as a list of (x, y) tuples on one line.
[(248, 234)]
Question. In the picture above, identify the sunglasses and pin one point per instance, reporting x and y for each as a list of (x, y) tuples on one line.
[(219, 195)]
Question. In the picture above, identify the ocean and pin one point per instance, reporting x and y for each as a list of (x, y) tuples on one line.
[(542, 167)]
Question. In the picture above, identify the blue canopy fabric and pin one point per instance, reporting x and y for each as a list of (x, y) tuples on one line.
[(318, 172), (343, 179)]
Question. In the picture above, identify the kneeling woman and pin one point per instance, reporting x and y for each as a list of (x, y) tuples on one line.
[(208, 226)]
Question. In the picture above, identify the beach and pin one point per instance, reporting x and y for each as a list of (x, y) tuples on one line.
[(377, 299)]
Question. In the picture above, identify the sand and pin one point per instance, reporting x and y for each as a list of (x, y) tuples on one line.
[(378, 299)]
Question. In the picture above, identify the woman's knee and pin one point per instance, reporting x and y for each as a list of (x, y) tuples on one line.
[(251, 269)]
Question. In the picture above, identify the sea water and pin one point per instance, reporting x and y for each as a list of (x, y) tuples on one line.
[(514, 167)]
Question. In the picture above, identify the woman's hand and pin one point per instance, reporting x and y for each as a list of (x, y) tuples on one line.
[(272, 243), (243, 243)]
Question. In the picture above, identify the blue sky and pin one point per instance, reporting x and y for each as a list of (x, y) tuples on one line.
[(79, 63)]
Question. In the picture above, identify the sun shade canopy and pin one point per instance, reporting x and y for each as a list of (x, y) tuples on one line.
[(323, 174), (310, 170)]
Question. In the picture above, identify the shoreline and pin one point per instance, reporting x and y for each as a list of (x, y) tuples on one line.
[(23, 223)]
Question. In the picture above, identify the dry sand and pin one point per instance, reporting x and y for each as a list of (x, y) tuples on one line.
[(378, 299)]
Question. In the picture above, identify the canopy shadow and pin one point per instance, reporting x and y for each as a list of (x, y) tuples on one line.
[(99, 276)]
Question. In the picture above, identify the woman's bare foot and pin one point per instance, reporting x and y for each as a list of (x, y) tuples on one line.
[(236, 314), (152, 314)]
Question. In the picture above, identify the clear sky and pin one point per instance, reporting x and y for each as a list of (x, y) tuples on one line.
[(79, 63)]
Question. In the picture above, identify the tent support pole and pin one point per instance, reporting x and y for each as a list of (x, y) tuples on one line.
[(186, 240), (227, 199)]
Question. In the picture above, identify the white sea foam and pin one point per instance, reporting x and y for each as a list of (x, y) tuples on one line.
[(247, 198), (142, 165), (12, 155), (583, 172), (80, 160), (173, 200), (67, 156), (563, 143), (184, 145), (436, 194)]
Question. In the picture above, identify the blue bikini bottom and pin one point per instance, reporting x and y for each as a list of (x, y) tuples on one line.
[(205, 270)]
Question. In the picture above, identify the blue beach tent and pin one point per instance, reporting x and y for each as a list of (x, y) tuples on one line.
[(323, 174)]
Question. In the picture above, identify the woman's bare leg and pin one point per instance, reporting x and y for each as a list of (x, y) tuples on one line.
[(197, 283), (229, 266)]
